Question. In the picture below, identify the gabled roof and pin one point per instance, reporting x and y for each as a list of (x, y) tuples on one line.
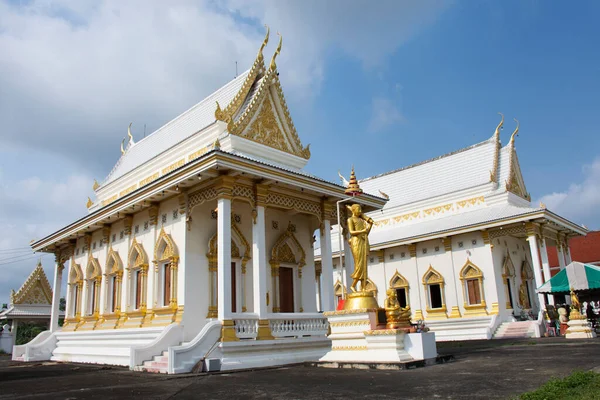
[(35, 290), (180, 128), (452, 172)]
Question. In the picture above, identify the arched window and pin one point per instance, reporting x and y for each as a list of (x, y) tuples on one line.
[(137, 269), (371, 287), (93, 278), (166, 259), (472, 279), (400, 285), (287, 259), (508, 276), (114, 276), (240, 254), (338, 290), (76, 287), (526, 286), (434, 289)]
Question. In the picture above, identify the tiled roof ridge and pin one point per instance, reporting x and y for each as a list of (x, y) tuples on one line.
[(490, 140)]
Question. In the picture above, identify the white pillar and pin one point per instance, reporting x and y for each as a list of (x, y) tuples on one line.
[(327, 296), (568, 258), (561, 255), (224, 258), (537, 273), (260, 267), (546, 266), (58, 270)]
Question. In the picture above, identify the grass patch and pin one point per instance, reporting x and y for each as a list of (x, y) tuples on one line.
[(577, 386)]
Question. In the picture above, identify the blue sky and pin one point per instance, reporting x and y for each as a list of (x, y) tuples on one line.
[(378, 84)]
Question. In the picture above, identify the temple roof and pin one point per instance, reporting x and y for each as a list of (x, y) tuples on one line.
[(452, 172), (28, 311), (36, 290), (180, 128)]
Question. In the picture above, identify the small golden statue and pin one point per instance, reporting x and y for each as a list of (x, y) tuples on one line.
[(575, 306), (396, 316), (523, 299)]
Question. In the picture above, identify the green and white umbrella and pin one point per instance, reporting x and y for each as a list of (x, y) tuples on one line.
[(576, 275)]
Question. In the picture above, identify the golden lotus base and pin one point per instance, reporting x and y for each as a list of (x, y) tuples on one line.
[(360, 301)]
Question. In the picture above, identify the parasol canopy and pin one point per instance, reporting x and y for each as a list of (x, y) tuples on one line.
[(576, 275)]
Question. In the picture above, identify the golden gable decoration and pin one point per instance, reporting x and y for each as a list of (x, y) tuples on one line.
[(35, 290)]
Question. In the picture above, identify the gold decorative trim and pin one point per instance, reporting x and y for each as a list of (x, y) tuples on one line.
[(349, 323), (347, 312), (348, 348)]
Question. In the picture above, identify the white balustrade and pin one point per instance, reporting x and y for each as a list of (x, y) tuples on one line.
[(246, 327), (298, 325)]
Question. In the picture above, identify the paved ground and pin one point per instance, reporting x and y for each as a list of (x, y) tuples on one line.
[(482, 370)]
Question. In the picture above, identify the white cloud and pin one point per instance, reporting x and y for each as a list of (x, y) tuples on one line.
[(73, 74), (31, 208), (581, 201), (384, 114)]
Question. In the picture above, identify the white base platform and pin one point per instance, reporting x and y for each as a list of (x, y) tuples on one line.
[(355, 339), (579, 329)]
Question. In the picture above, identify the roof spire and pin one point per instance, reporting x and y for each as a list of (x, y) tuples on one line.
[(512, 137), (277, 51), (96, 185), (264, 43), (498, 128), (122, 149), (129, 133), (353, 188)]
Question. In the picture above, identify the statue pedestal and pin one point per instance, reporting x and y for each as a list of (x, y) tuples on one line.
[(579, 328), (355, 339)]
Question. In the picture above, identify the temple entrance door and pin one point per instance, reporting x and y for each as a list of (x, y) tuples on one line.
[(286, 289), (510, 300), (233, 289)]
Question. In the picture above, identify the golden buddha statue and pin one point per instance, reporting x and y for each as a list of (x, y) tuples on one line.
[(575, 306), (396, 316), (359, 226)]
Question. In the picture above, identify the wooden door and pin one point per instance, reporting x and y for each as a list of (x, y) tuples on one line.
[(138, 289), (286, 289), (114, 294), (233, 289), (167, 285)]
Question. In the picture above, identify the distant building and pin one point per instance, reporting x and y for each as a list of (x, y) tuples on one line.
[(31, 303), (583, 248)]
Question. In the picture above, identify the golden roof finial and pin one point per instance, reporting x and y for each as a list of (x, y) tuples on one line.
[(384, 195), (264, 43), (129, 133), (277, 51), (89, 203), (353, 188), (96, 185), (542, 205), (122, 149), (512, 137), (497, 133)]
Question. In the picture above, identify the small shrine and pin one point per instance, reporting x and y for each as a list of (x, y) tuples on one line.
[(31, 303), (362, 332)]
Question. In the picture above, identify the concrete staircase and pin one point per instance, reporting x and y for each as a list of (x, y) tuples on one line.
[(518, 329), (158, 364)]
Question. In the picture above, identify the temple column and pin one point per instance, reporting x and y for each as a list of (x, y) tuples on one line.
[(260, 290), (455, 309), (535, 259), (58, 270), (300, 304), (318, 275), (561, 258), (568, 258), (546, 266), (417, 312), (326, 293), (224, 258)]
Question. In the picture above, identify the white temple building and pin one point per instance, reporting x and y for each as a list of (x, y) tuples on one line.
[(198, 248), (462, 244)]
